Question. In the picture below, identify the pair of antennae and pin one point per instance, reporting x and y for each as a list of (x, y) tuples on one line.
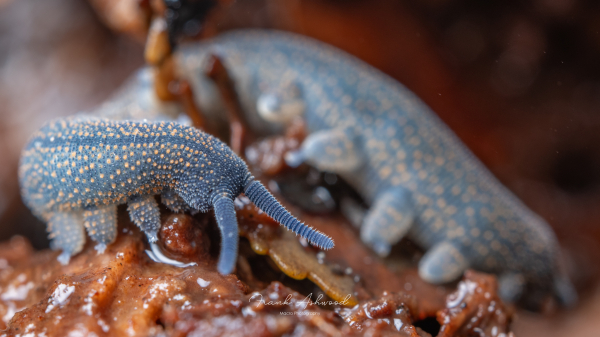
[(263, 199)]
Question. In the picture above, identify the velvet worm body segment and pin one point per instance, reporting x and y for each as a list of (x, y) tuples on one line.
[(74, 172)]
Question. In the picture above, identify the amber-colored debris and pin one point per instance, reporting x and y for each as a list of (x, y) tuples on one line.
[(391, 313), (238, 126), (164, 76), (274, 311), (475, 309), (170, 88), (267, 237), (268, 155), (186, 98), (157, 45)]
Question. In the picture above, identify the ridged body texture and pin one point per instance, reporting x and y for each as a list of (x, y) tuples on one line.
[(418, 177), (74, 172)]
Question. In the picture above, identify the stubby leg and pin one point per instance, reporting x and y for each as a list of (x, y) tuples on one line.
[(442, 263), (227, 221), (66, 233), (144, 212), (101, 225), (565, 292), (510, 286), (334, 150), (281, 104), (388, 220), (174, 202), (353, 211)]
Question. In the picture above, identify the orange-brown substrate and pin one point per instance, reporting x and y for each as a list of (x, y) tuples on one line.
[(122, 292)]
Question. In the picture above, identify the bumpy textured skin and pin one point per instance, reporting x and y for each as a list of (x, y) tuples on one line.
[(420, 180), (101, 224), (75, 171)]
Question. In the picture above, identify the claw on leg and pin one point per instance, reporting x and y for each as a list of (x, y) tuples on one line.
[(157, 256), (144, 212)]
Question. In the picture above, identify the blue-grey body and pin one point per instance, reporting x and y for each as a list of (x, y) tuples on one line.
[(418, 177), (74, 172)]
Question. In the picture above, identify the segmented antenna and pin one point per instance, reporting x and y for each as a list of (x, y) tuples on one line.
[(264, 200)]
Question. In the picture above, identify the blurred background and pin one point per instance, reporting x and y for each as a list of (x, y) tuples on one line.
[(518, 81)]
